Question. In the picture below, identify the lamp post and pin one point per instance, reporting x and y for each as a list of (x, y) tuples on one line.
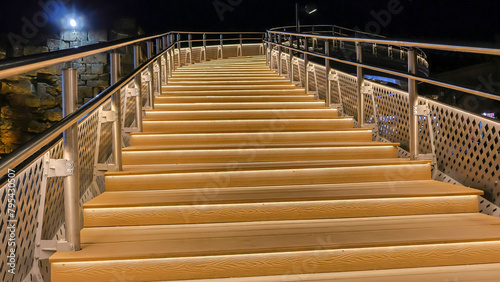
[(309, 9)]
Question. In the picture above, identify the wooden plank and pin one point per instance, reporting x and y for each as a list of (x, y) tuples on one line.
[(231, 166), (263, 137), (238, 106), (318, 261), (235, 93), (242, 114), (248, 125), (224, 179), (208, 230), (234, 99), (262, 211), (370, 190)]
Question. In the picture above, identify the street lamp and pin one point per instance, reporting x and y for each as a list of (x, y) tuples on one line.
[(309, 9)]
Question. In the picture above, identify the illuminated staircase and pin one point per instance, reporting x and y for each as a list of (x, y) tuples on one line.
[(238, 173)]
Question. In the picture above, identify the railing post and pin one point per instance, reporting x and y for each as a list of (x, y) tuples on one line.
[(164, 70), (151, 95), (290, 59), (138, 84), (280, 61), (221, 46), (241, 45), (413, 103), (179, 48), (159, 63), (116, 109), (267, 48), (190, 38), (204, 46), (306, 63), (328, 68), (72, 208), (360, 80)]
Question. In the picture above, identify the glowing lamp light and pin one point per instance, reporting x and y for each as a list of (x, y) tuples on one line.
[(72, 22)]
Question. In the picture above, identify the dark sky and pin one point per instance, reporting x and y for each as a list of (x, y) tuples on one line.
[(468, 22)]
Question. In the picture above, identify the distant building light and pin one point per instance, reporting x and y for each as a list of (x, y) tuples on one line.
[(490, 115)]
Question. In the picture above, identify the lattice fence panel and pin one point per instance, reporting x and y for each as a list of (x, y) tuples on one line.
[(349, 88), (468, 148)]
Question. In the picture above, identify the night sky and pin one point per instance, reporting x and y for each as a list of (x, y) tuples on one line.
[(467, 22)]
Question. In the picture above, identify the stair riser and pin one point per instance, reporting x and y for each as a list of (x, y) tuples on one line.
[(203, 212), (226, 83), (235, 93), (267, 178), (260, 138), (245, 126), (167, 89), (233, 99), (257, 155), (175, 79), (237, 106), (317, 261), (229, 115)]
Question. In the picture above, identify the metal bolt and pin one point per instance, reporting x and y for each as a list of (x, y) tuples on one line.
[(69, 171), (36, 257), (69, 164)]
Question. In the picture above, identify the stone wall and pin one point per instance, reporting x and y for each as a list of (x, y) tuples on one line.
[(30, 103)]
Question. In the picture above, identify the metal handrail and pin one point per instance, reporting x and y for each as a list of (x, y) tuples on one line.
[(408, 44), (330, 26), (394, 72)]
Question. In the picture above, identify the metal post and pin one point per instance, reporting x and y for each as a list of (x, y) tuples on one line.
[(72, 208), (413, 101), (306, 63), (160, 65), (267, 49), (280, 61), (328, 97), (290, 59), (116, 109), (179, 48), (204, 46), (241, 45), (221, 46), (138, 84), (360, 80), (190, 38), (151, 74), (164, 70)]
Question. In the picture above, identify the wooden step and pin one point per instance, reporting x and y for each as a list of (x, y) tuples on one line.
[(238, 106), (174, 87), (178, 75), (163, 99), (277, 203), (165, 156), (243, 114), (231, 82), (175, 79), (272, 177), (380, 243), (198, 126), (243, 92), (231, 166), (263, 137)]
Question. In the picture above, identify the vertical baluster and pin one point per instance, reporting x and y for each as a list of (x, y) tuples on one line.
[(360, 80)]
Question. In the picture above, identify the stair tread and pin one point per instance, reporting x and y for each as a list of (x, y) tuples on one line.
[(370, 190), (259, 145), (351, 240), (196, 167)]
